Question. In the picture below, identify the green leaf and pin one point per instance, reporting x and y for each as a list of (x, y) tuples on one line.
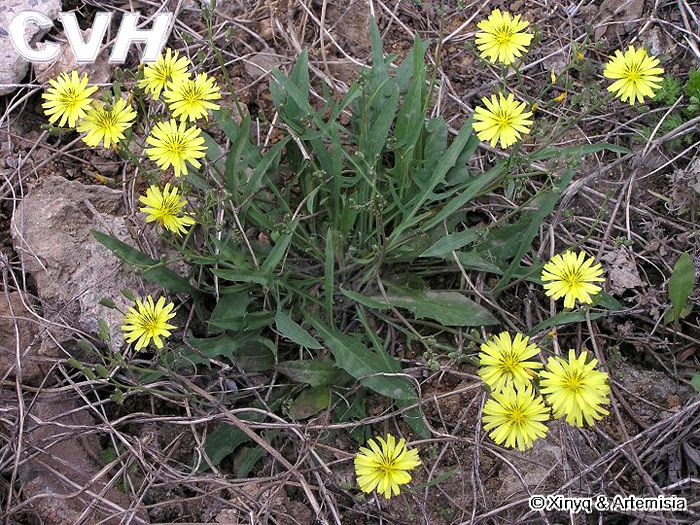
[(607, 301), (313, 372), (447, 307), (271, 158), (564, 318), (680, 285), (695, 381), (472, 189), (329, 277), (225, 439), (152, 270), (364, 300), (247, 461), (454, 241), (310, 402), (244, 276), (291, 330), (577, 151), (448, 161), (250, 351), (692, 88), (246, 322), (547, 202), (278, 251), (358, 361)]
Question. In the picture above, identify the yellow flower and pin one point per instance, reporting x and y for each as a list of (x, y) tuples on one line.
[(168, 68), (502, 119), (501, 38), (515, 416), (385, 468), (106, 125), (635, 73), (191, 99), (503, 361), (561, 97), (571, 277), (166, 208), (68, 98), (174, 145), (148, 320), (575, 389)]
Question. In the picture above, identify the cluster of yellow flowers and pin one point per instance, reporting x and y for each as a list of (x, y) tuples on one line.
[(515, 414), (501, 40), (174, 143)]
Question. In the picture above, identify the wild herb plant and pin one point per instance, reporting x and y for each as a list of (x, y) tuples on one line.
[(320, 254)]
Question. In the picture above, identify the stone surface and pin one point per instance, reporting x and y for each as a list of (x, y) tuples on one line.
[(260, 64), (622, 271), (51, 231), (61, 471), (99, 72), (540, 467), (13, 67), (19, 330)]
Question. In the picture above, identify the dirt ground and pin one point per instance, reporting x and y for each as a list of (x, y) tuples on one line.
[(637, 212)]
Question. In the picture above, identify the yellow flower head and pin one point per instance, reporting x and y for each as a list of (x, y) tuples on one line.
[(575, 389), (68, 98), (502, 119), (385, 468), (107, 125), (168, 68), (166, 208), (175, 145), (191, 99), (515, 416), (148, 320), (504, 361), (501, 39), (572, 276), (635, 73)]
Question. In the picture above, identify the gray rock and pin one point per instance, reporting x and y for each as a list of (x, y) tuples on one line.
[(61, 471), (13, 67), (51, 231), (19, 331), (99, 72)]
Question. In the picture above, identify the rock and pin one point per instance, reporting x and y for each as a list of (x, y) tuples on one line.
[(99, 72), (537, 466), (622, 271), (260, 64), (13, 67), (18, 327), (51, 230), (271, 502), (60, 471), (616, 18)]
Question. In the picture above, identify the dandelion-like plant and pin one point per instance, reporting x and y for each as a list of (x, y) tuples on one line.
[(575, 389), (502, 119), (192, 98), (68, 98), (385, 466), (146, 321), (504, 361), (176, 145), (168, 68), (572, 276), (165, 208), (636, 75), (501, 38), (515, 417), (107, 125)]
